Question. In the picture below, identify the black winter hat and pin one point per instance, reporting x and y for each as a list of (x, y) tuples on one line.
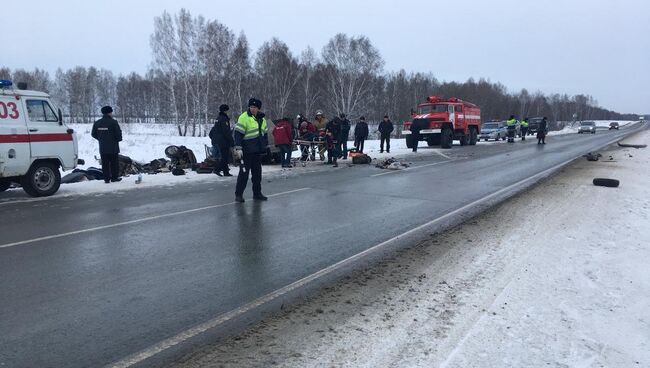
[(224, 108), (255, 102), (363, 118), (385, 116), (107, 110)]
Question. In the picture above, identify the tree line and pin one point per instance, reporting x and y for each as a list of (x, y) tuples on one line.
[(198, 64)]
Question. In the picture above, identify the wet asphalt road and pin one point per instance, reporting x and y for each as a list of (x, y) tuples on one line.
[(144, 266)]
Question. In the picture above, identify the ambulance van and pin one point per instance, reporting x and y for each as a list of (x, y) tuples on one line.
[(34, 142)]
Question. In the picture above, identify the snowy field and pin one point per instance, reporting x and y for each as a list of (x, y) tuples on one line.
[(568, 285)]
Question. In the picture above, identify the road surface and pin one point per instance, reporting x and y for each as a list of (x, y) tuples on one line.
[(121, 279)]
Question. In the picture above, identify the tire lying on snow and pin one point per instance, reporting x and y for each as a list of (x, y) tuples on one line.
[(603, 182)]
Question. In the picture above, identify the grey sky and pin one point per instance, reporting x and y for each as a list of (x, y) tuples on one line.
[(596, 47)]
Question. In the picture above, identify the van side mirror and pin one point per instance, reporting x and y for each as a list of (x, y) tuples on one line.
[(60, 117)]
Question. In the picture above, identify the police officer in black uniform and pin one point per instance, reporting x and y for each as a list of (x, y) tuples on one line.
[(107, 131)]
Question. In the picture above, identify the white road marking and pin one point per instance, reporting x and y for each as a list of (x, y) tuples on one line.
[(203, 327), (144, 219), (408, 168)]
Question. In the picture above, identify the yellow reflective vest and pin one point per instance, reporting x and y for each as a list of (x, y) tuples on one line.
[(251, 133)]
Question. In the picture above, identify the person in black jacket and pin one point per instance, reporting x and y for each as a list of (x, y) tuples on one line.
[(541, 131), (360, 133), (385, 128), (345, 134), (107, 131), (221, 136), (333, 127)]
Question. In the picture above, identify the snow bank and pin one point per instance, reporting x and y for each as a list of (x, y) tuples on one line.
[(566, 286)]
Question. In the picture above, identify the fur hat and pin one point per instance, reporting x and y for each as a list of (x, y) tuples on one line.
[(107, 110), (255, 102), (224, 108)]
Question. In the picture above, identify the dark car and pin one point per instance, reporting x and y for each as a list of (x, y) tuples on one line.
[(613, 125)]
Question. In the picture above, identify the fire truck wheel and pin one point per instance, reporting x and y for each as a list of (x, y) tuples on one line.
[(446, 138), (4, 185), (473, 137), (42, 179)]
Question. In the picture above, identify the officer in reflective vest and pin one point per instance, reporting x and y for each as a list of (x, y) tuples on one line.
[(251, 141), (524, 129), (512, 126)]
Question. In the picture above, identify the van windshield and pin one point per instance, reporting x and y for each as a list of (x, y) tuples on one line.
[(491, 126), (588, 123), (432, 108)]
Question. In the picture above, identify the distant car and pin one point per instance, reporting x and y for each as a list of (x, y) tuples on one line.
[(587, 127), (613, 125), (493, 130)]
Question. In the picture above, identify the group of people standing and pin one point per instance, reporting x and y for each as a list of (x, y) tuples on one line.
[(248, 142), (511, 125)]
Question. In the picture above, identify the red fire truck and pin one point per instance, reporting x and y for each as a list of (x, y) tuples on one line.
[(439, 122)]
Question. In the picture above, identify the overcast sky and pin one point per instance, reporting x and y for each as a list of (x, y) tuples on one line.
[(597, 47)]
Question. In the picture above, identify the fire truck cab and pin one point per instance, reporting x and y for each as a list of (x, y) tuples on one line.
[(439, 122), (34, 142)]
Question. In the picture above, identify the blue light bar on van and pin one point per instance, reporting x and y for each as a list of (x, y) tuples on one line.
[(5, 83)]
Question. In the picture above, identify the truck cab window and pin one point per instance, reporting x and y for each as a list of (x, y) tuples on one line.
[(451, 109), (459, 109), (40, 110)]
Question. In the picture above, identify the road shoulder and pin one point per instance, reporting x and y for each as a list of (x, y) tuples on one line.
[(554, 276)]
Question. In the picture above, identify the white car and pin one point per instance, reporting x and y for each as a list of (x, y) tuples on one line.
[(587, 127), (34, 142)]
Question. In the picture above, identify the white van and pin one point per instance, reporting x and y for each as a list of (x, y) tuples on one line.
[(34, 142)]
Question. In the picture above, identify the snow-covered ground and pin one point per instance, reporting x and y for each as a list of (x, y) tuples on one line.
[(555, 277)]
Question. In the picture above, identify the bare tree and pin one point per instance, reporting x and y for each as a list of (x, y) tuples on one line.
[(351, 63), (310, 90), (278, 73)]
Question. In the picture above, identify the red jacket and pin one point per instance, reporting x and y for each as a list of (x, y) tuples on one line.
[(282, 133), (306, 127)]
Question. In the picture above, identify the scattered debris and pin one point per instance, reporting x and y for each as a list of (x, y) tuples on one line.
[(593, 156), (392, 164), (604, 182), (632, 145)]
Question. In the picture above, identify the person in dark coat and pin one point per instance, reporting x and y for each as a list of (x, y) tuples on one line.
[(333, 130), (415, 136), (107, 131), (331, 146), (221, 136), (360, 133), (343, 139), (385, 128), (541, 131)]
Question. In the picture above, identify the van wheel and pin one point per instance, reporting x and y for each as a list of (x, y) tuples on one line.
[(43, 179), (4, 185), (446, 138)]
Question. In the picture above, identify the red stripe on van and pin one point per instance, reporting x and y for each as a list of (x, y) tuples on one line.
[(27, 138)]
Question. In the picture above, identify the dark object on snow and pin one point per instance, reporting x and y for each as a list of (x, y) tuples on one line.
[(155, 166), (205, 167), (95, 173), (181, 157), (392, 163), (362, 159), (177, 171), (75, 177), (632, 145), (603, 182), (593, 156)]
